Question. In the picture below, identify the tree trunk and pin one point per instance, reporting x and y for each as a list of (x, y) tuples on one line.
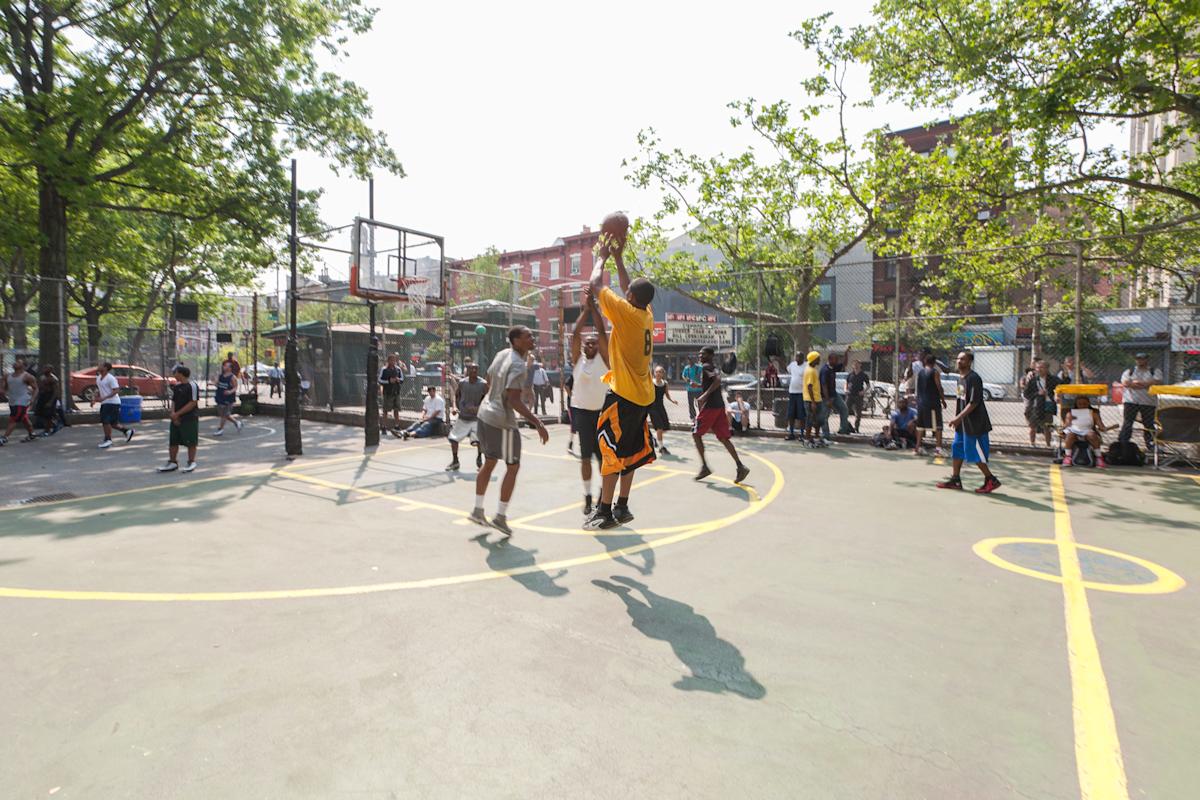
[(803, 326), (16, 302), (94, 334), (52, 260)]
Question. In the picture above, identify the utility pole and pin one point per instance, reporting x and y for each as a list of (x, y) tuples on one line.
[(1078, 371), (371, 428), (896, 342), (758, 350), (291, 402)]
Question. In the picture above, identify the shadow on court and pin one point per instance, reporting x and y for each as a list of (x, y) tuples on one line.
[(614, 543), (716, 665), (502, 556)]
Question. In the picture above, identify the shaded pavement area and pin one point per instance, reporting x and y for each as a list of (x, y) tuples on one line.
[(333, 626)]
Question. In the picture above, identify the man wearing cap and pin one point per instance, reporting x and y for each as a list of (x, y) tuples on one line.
[(1138, 401), (812, 400)]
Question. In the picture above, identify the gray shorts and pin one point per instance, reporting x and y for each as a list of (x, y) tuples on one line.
[(501, 444), (391, 402), (225, 409)]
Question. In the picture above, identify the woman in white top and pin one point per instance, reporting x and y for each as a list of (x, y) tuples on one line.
[(1083, 422)]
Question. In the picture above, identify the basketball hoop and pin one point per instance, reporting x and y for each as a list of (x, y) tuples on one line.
[(417, 290)]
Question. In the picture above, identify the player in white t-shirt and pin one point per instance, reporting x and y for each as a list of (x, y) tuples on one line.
[(589, 354), (109, 397), (1083, 422), (796, 410)]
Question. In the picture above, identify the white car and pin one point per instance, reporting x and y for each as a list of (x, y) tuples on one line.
[(991, 391)]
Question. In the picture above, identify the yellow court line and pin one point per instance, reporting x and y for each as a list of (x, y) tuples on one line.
[(323, 462), (342, 591), (1098, 760)]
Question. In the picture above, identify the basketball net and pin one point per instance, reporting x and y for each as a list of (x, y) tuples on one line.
[(418, 293)]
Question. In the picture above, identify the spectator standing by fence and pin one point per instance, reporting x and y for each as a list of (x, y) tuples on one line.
[(48, 412), (857, 383), (796, 410), (833, 399), (930, 402), (391, 383), (275, 376), (692, 374), (1138, 402), (815, 410), (1039, 401)]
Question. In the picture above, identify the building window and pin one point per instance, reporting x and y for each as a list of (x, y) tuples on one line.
[(535, 270), (575, 264), (889, 269), (553, 299), (554, 269), (554, 328), (516, 269)]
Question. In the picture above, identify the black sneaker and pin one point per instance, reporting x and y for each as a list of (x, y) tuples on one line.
[(129, 434), (703, 473), (453, 467), (622, 515), (587, 505), (742, 472), (600, 521), (479, 461), (790, 438)]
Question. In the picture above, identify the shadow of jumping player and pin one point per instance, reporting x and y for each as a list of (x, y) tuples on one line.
[(503, 556), (716, 665)]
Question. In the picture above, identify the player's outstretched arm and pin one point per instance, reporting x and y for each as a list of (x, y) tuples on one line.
[(585, 314), (601, 331), (622, 274)]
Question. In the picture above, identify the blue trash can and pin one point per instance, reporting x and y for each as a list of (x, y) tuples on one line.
[(131, 410)]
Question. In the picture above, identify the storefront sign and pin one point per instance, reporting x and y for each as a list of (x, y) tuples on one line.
[(671, 316), (1185, 336), (660, 333), (698, 334)]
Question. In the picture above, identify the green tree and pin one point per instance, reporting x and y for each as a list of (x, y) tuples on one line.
[(190, 107), (780, 216), (1049, 75)]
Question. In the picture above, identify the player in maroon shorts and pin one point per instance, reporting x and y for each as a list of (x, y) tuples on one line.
[(712, 417)]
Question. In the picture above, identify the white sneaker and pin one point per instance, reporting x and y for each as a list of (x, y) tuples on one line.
[(107, 443), (191, 465), (238, 422), (170, 466), (219, 432)]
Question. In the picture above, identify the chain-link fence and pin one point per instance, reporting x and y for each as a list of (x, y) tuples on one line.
[(1094, 344)]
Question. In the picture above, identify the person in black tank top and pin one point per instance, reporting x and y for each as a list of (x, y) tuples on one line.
[(658, 409), (930, 402), (712, 417)]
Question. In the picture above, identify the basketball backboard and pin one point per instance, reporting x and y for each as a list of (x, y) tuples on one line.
[(389, 263)]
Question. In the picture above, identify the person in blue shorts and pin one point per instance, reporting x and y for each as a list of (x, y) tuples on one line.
[(971, 426)]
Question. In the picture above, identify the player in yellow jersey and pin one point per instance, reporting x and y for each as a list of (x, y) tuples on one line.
[(623, 431)]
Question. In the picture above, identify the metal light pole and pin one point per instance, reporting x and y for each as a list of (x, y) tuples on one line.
[(291, 402)]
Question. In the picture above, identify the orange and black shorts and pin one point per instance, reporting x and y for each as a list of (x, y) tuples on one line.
[(624, 436)]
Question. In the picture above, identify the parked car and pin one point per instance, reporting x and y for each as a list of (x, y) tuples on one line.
[(739, 382), (991, 391), (147, 383)]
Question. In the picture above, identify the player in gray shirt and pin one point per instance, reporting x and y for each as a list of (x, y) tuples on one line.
[(497, 427), (468, 396)]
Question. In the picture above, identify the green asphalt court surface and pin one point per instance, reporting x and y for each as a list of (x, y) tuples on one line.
[(332, 627)]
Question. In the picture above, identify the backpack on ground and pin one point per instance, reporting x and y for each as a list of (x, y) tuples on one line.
[(1125, 454)]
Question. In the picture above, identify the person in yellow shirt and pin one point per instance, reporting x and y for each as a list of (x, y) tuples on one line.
[(812, 398), (623, 430)]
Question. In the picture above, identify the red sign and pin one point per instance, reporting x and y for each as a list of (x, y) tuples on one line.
[(660, 333)]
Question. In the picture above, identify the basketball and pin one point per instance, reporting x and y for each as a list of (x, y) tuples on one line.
[(615, 227)]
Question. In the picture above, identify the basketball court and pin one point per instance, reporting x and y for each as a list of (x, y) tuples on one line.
[(332, 627)]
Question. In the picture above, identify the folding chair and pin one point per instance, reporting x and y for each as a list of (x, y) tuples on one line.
[(1176, 430)]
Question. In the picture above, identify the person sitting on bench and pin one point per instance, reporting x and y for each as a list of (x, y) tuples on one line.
[(1083, 422)]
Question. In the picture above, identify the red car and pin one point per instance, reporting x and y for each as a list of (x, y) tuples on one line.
[(147, 383)]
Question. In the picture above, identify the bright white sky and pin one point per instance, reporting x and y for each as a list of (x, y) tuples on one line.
[(512, 119)]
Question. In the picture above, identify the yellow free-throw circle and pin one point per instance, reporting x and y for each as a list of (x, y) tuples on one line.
[(1165, 581), (692, 532)]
